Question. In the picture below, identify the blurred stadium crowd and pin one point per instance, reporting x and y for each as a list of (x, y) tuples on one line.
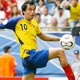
[(52, 15)]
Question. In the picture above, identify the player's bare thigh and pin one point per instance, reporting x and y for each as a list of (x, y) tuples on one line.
[(55, 53), (28, 76)]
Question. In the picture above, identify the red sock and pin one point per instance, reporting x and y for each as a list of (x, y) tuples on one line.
[(69, 73)]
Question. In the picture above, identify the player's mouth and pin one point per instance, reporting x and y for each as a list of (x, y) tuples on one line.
[(32, 15)]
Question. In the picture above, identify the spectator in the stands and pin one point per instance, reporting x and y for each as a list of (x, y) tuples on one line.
[(55, 6), (46, 17), (11, 3), (53, 25), (74, 9), (15, 11), (37, 17), (7, 6), (61, 17), (75, 64), (65, 3), (40, 7)]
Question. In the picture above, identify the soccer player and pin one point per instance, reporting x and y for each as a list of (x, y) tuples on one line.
[(26, 29)]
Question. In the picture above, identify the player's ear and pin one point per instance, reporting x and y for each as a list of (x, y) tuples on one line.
[(23, 12)]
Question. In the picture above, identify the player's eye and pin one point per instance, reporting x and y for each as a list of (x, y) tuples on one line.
[(30, 9)]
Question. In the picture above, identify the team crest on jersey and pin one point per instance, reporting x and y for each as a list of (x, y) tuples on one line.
[(33, 25)]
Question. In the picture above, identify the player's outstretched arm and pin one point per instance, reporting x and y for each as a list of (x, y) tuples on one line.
[(10, 23), (47, 37), (2, 25)]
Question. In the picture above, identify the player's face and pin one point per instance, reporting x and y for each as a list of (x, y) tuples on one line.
[(74, 2), (30, 11)]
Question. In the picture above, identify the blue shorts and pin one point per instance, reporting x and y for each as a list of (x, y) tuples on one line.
[(37, 59)]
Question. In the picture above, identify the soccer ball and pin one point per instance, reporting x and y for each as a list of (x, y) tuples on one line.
[(67, 41)]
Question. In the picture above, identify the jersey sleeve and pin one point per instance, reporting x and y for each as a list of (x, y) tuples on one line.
[(11, 23)]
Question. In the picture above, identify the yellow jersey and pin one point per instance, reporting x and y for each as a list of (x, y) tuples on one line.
[(25, 32), (74, 12)]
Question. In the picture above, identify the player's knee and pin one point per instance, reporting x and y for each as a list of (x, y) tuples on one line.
[(61, 52), (56, 53)]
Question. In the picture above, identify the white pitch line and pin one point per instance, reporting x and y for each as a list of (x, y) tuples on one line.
[(56, 65), (7, 37)]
